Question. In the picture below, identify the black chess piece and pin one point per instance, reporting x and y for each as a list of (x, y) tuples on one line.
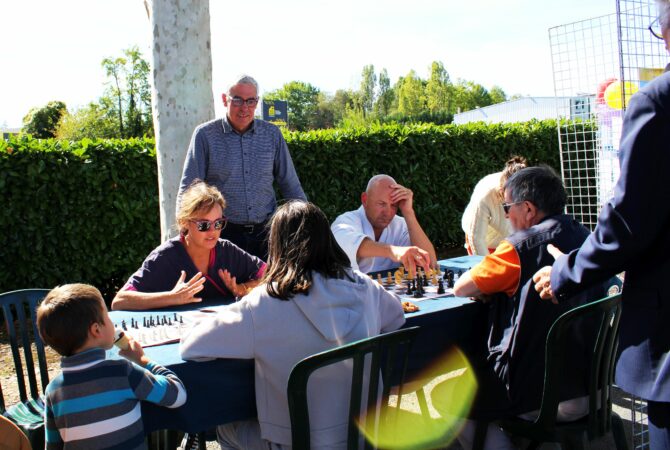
[(169, 321), (417, 294), (144, 322), (425, 281), (446, 273), (419, 285), (175, 317), (440, 287), (450, 279), (409, 288), (181, 319)]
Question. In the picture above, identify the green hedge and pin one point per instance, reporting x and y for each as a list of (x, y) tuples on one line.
[(72, 212), (88, 211), (441, 164)]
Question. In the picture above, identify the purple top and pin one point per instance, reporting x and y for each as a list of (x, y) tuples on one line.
[(162, 268)]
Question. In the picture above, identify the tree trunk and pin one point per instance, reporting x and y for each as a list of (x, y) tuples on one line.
[(181, 91)]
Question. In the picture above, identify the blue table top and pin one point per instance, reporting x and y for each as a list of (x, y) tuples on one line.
[(222, 390), (460, 263)]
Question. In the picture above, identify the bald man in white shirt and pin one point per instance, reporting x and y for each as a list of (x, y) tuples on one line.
[(375, 238)]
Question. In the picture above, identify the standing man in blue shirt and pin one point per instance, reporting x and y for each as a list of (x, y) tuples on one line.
[(243, 157)]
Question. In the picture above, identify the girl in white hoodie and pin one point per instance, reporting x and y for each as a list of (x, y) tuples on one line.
[(310, 300)]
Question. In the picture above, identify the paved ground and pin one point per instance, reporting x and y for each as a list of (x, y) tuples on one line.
[(622, 406)]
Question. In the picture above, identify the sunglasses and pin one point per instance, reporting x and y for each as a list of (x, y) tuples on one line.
[(205, 225), (507, 206)]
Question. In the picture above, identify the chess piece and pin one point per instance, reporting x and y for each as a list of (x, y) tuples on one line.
[(440, 287), (409, 288), (144, 322), (175, 317), (120, 339), (450, 279), (169, 321), (379, 278)]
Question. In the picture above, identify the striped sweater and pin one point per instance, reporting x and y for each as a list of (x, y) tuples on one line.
[(95, 402)]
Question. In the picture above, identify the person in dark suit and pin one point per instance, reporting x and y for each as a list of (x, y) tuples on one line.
[(633, 234)]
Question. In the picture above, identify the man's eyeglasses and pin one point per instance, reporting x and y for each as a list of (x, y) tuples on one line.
[(239, 101), (205, 225), (507, 206), (655, 29)]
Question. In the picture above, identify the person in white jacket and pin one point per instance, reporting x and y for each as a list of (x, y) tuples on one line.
[(310, 300), (484, 221), (375, 238)]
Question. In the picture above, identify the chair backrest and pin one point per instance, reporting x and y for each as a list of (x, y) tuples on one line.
[(389, 354), (605, 313), (19, 311)]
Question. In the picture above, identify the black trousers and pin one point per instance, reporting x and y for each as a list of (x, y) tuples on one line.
[(251, 238)]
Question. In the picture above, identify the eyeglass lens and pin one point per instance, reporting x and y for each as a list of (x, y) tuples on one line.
[(239, 101), (204, 225), (655, 29)]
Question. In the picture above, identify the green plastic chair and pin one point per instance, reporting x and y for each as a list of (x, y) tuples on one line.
[(600, 419), (389, 355), (19, 311)]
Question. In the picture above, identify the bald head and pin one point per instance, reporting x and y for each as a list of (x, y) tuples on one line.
[(379, 180)]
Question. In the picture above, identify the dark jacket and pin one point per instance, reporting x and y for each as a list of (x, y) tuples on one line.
[(520, 324), (633, 234)]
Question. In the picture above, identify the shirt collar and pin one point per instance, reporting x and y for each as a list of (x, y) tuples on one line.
[(228, 128)]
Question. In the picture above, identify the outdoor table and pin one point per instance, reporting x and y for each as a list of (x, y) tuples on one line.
[(222, 390)]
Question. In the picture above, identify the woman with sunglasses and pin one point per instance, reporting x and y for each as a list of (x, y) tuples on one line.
[(310, 301), (195, 265)]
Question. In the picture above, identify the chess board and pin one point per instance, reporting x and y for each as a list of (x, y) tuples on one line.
[(407, 287), (158, 328)]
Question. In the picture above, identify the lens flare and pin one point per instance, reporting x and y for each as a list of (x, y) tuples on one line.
[(449, 384)]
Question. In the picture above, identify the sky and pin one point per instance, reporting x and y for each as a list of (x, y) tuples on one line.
[(56, 48)]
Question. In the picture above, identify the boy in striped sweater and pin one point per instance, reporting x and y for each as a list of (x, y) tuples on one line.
[(95, 402)]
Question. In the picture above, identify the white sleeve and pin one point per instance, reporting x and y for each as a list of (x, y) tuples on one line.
[(228, 334), (349, 234)]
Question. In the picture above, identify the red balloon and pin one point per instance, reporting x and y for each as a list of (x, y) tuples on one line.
[(600, 93)]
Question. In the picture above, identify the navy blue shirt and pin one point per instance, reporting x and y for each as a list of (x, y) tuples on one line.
[(162, 268)]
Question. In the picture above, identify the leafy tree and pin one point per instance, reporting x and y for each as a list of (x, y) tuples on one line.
[(411, 98), (92, 121), (303, 101), (438, 95), (497, 95), (42, 122), (385, 95), (128, 95), (367, 90), (470, 95)]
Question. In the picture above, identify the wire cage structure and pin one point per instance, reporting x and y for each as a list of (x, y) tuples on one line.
[(600, 63)]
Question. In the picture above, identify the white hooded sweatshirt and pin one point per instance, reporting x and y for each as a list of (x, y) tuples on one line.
[(278, 334)]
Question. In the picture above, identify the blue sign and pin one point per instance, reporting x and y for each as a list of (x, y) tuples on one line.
[(276, 111)]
